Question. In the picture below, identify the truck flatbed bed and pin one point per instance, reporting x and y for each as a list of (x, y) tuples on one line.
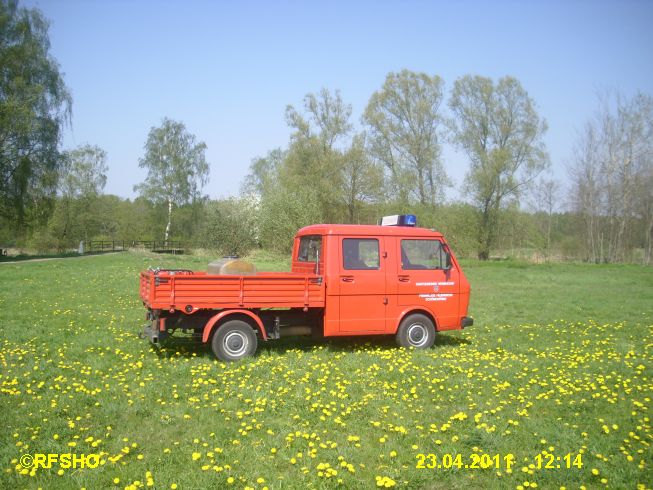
[(189, 291)]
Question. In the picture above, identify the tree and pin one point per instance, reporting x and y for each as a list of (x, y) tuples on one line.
[(84, 171), (362, 178), (176, 167), (645, 208), (283, 212), (404, 119), (327, 118), (546, 201), (497, 126), (315, 155), (230, 226), (611, 175), (34, 106), (585, 185), (77, 213), (264, 172)]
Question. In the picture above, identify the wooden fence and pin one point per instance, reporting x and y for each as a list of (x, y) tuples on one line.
[(97, 246)]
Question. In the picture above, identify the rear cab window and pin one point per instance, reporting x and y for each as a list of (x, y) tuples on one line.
[(310, 248)]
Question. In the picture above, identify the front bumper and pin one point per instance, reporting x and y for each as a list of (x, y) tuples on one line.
[(466, 321)]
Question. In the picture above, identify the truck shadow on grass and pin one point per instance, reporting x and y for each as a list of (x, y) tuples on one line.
[(349, 344), (179, 347)]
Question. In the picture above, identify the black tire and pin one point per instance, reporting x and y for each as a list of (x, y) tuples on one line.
[(234, 340), (416, 331)]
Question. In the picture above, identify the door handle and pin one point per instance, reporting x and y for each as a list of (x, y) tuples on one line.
[(404, 278), (347, 278)]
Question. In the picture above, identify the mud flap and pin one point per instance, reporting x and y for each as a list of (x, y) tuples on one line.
[(466, 322)]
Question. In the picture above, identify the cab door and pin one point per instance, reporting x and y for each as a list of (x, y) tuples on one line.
[(362, 282), (424, 279)]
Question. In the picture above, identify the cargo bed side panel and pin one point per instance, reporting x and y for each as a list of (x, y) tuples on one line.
[(220, 291)]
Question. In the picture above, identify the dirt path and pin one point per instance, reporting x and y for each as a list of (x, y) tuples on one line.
[(45, 259)]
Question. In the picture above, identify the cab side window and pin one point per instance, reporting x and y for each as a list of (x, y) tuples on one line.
[(360, 254), (422, 254)]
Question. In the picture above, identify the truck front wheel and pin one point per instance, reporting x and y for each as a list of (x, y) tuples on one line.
[(417, 331), (234, 340)]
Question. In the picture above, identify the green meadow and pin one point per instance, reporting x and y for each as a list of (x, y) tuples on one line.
[(550, 388)]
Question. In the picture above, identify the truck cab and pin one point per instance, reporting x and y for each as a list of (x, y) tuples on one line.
[(376, 276)]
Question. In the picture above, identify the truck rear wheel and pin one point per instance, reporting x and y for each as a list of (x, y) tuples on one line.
[(234, 340), (417, 331)]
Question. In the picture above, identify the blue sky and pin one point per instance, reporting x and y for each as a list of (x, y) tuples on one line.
[(228, 69)]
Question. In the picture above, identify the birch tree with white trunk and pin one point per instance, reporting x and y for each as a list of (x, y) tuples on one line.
[(176, 167)]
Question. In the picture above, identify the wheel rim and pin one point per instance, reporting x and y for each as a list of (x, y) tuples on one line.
[(417, 335), (235, 343)]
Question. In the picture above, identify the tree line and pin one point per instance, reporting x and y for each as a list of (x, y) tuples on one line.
[(328, 172), (332, 170)]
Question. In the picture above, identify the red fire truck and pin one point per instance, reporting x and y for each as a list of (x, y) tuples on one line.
[(345, 280)]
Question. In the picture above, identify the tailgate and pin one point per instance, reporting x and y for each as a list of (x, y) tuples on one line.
[(156, 287), (145, 287)]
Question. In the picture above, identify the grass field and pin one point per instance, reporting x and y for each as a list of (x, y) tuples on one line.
[(559, 363)]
